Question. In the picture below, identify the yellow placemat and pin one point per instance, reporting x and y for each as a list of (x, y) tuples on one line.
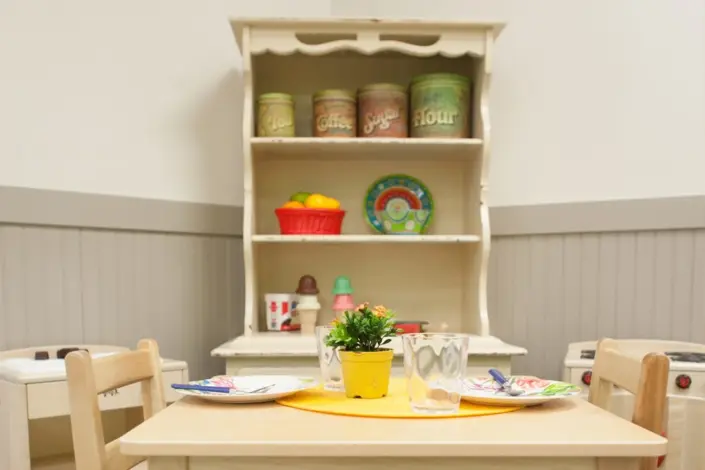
[(394, 405)]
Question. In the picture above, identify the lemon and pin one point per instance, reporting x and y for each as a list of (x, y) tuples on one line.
[(316, 201), (333, 203)]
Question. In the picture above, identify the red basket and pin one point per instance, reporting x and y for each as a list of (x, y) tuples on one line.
[(310, 221)]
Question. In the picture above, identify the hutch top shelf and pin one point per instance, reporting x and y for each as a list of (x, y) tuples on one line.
[(367, 36)]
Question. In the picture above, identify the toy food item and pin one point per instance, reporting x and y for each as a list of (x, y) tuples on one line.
[(301, 197), (332, 203), (342, 290), (307, 285), (307, 306), (316, 201), (293, 205)]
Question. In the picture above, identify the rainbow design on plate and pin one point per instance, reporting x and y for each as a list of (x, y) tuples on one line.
[(485, 390), (398, 205)]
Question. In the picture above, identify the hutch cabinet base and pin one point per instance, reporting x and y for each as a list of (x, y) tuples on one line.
[(292, 353), (308, 366)]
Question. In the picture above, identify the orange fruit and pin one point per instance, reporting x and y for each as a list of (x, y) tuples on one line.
[(316, 201), (292, 205)]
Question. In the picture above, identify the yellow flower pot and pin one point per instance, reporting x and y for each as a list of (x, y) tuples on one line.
[(366, 374)]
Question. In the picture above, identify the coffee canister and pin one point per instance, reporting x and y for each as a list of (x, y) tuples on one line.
[(275, 115), (383, 110), (440, 106), (334, 114)]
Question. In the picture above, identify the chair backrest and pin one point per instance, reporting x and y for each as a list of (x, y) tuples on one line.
[(89, 377), (646, 378)]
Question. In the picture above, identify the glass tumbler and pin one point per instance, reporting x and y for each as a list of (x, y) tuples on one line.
[(434, 364), (329, 360)]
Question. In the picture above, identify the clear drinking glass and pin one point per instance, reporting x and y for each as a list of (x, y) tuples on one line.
[(329, 360), (435, 365)]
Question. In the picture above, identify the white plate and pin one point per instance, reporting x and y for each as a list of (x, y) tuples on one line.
[(283, 385), (486, 391)]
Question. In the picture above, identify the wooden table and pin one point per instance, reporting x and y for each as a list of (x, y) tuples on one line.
[(568, 434)]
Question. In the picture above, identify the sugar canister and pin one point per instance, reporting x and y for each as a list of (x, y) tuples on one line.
[(383, 110)]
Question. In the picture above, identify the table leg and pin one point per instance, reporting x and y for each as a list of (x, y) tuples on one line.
[(14, 427), (618, 464), (167, 463)]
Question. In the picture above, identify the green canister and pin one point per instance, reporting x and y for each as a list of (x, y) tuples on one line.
[(440, 106), (275, 115)]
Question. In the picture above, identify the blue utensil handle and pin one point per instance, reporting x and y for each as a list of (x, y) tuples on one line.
[(201, 388), (498, 376)]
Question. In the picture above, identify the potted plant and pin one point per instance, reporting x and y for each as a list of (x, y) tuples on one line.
[(359, 337)]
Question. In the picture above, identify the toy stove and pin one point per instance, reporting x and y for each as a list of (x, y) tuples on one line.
[(687, 376), (686, 389)]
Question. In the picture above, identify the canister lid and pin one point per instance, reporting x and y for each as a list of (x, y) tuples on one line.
[(275, 97), (339, 94), (382, 87), (452, 77)]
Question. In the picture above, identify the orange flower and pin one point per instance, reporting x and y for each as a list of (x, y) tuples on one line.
[(363, 306), (334, 323), (380, 311)]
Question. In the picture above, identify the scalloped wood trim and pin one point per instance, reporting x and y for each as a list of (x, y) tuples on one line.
[(449, 44)]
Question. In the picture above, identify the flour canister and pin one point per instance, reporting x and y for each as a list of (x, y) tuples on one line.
[(440, 106), (275, 115), (383, 110), (334, 114)]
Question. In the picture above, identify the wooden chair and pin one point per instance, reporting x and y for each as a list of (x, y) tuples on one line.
[(87, 378), (646, 378)]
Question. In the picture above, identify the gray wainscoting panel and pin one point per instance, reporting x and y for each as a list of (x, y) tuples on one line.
[(117, 284), (66, 285), (549, 290)]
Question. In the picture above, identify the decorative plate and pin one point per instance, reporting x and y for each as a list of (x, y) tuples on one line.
[(486, 391), (398, 205), (282, 386)]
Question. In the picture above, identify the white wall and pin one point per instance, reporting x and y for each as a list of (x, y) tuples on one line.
[(591, 100)]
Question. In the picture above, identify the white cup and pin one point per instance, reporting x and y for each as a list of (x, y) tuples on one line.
[(279, 308)]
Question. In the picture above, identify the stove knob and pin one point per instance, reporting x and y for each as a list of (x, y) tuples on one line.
[(683, 381), (587, 377)]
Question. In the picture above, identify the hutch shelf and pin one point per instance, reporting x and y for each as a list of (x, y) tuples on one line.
[(440, 276)]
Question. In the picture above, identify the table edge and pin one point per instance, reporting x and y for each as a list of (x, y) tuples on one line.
[(385, 449)]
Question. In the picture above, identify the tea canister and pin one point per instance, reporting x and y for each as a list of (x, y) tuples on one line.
[(334, 114), (440, 106), (275, 115), (383, 110)]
